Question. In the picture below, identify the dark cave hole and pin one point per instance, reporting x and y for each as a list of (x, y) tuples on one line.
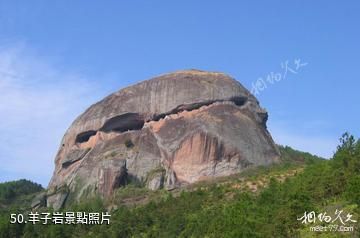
[(157, 117), (84, 136), (129, 144), (239, 101), (124, 122), (121, 180)]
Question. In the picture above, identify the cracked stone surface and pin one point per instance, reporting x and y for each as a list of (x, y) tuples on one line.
[(172, 130)]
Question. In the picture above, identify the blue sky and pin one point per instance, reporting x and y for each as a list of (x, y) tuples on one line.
[(58, 58)]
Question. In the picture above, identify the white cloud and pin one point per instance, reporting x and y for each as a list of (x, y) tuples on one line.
[(37, 104)]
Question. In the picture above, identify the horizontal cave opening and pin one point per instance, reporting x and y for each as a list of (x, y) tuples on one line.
[(124, 122), (84, 136), (238, 101), (74, 156), (183, 107), (135, 121)]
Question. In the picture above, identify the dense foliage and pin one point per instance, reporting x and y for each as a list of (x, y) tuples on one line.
[(10, 191), (292, 156), (224, 210)]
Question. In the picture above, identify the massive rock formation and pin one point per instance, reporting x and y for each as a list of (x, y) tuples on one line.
[(172, 130)]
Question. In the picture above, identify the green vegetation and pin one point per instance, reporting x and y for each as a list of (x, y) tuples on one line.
[(262, 202), (15, 197), (15, 192), (291, 156)]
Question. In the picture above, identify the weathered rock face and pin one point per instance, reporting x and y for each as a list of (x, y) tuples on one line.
[(172, 130)]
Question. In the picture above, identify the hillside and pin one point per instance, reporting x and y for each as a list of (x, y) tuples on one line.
[(18, 193), (262, 202)]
